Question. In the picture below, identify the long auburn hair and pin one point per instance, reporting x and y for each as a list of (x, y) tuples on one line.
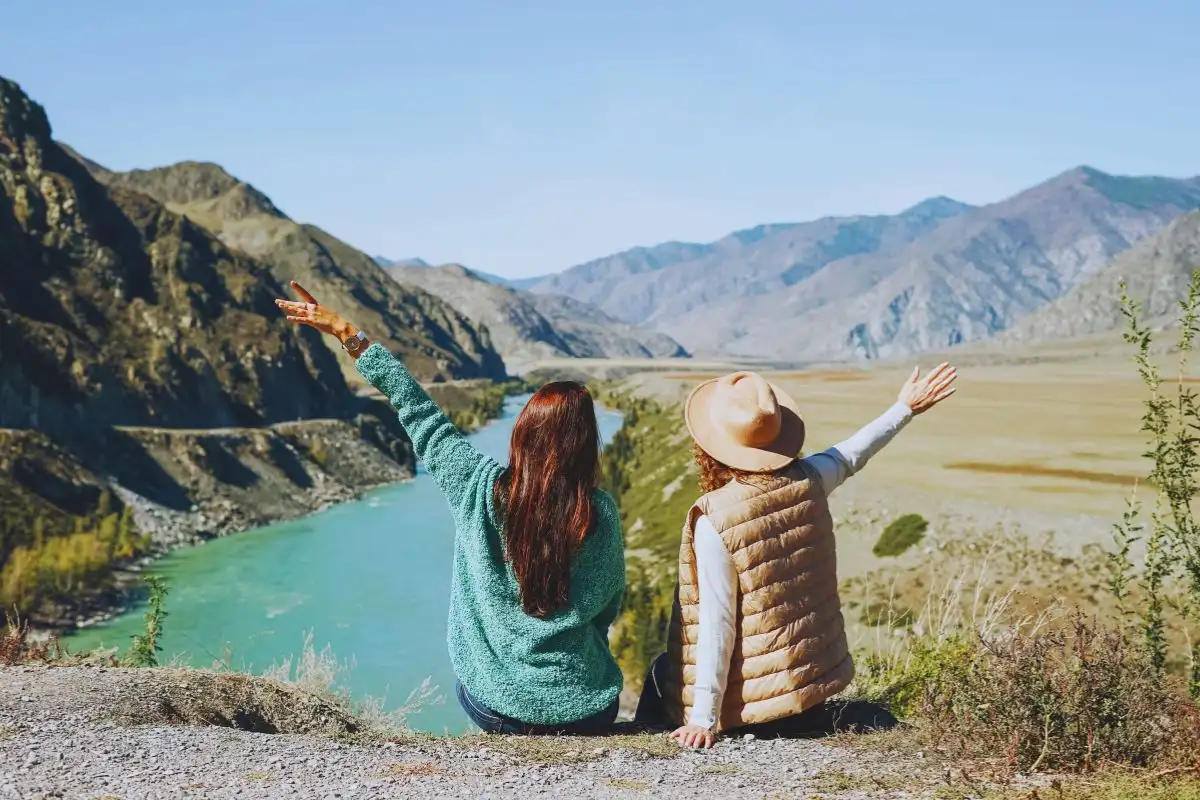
[(545, 495)]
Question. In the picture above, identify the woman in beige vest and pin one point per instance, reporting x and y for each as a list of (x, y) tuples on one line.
[(757, 643)]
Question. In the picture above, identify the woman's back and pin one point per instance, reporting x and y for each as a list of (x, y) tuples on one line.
[(551, 666)]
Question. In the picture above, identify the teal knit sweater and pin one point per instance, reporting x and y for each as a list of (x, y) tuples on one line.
[(543, 671)]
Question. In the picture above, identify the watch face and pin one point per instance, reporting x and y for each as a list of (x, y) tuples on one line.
[(353, 343)]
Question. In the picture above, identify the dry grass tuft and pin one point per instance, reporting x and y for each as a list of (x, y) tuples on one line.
[(629, 784), (243, 702), (18, 647), (571, 749), (1129, 786), (420, 769), (320, 673)]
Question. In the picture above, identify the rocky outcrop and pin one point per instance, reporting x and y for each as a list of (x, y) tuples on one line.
[(116, 311), (433, 338), (1156, 272)]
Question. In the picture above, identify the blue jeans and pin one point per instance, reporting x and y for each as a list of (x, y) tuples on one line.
[(491, 722)]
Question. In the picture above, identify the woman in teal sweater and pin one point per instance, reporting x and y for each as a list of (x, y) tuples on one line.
[(539, 567)]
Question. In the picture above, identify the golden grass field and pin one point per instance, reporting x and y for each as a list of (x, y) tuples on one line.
[(1055, 431)]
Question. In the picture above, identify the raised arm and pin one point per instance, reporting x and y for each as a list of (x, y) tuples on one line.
[(455, 464), (919, 394)]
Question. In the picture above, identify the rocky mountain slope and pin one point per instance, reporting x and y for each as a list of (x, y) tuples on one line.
[(115, 310), (528, 327), (143, 364), (931, 277), (660, 285), (434, 339), (1156, 271)]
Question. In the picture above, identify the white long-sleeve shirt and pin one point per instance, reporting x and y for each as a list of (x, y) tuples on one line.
[(717, 577)]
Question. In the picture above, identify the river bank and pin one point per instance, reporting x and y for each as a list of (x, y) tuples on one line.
[(365, 582), (182, 488)]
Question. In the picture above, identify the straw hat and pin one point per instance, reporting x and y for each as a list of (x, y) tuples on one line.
[(745, 422)]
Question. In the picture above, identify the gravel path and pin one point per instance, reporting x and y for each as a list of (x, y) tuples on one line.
[(59, 738)]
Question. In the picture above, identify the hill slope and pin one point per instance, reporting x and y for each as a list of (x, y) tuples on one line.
[(114, 309), (929, 278), (1157, 272), (431, 336), (145, 371), (528, 327)]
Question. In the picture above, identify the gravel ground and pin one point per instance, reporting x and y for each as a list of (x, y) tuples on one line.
[(58, 738)]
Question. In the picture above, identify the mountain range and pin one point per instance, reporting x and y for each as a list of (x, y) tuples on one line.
[(528, 327), (933, 276)]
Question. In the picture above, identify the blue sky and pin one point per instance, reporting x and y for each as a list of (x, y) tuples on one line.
[(527, 139)]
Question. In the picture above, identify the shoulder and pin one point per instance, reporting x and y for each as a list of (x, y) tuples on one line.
[(809, 468), (604, 503), (608, 516)]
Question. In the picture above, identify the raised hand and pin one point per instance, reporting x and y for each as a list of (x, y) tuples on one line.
[(311, 313), (923, 393)]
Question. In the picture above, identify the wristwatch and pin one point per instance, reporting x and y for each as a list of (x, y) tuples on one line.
[(355, 342)]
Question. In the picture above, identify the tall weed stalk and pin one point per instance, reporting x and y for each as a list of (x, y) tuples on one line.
[(1171, 421)]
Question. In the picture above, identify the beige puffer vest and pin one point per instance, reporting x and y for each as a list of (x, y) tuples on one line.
[(791, 651)]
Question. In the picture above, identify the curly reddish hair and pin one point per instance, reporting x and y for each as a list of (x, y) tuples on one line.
[(712, 474)]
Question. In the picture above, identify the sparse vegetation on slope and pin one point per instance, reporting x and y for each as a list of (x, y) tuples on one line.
[(648, 468)]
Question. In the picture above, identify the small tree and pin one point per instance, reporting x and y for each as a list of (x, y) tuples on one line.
[(1171, 420)]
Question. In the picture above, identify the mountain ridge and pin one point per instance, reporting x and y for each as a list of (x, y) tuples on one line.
[(528, 327), (938, 274), (434, 340)]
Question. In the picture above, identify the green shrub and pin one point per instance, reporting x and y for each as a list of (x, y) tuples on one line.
[(900, 535), (1053, 700), (145, 649)]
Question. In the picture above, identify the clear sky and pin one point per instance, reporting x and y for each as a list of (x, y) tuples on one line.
[(523, 136)]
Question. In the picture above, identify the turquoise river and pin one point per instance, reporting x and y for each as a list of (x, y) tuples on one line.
[(369, 579)]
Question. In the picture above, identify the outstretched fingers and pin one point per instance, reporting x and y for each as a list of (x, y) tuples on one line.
[(291, 306), (944, 394), (937, 372), (304, 293), (943, 380)]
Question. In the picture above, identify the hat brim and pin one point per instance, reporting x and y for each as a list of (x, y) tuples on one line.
[(714, 441)]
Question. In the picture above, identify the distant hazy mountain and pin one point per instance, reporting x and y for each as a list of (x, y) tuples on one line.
[(1157, 272), (527, 327), (401, 262), (431, 336), (658, 285), (933, 276), (499, 280)]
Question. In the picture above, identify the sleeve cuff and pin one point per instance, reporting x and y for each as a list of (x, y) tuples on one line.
[(373, 363), (898, 413), (703, 713)]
